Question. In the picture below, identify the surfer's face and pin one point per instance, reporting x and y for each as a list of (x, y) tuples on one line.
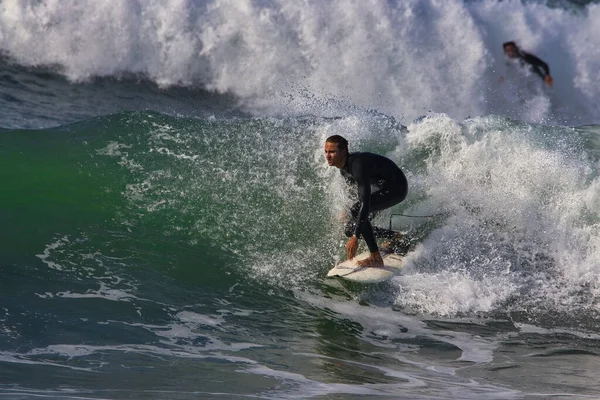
[(510, 51), (335, 157)]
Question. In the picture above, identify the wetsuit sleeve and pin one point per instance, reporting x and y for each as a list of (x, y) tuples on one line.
[(364, 195), (537, 64)]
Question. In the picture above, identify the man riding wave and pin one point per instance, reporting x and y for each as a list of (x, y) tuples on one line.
[(367, 170)]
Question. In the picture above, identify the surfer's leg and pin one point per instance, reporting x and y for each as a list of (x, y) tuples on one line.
[(377, 232), (367, 234), (374, 259), (368, 231), (398, 244), (382, 200), (386, 198)]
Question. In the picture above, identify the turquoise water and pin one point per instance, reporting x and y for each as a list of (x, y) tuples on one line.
[(145, 255), (165, 228)]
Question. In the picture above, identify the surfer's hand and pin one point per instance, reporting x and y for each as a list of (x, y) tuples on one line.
[(548, 80), (351, 247)]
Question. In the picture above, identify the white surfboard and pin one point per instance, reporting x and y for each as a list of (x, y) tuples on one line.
[(349, 270)]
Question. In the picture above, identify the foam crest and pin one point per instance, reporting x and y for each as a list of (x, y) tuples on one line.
[(402, 58), (520, 223)]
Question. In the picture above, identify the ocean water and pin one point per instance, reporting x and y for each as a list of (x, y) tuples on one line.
[(167, 216)]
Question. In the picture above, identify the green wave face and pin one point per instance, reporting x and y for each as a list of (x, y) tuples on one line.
[(140, 197), (173, 192)]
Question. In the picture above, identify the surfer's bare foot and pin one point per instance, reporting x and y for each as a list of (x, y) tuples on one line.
[(373, 261), (390, 245)]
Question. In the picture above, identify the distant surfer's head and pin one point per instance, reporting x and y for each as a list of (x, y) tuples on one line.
[(510, 49), (336, 150)]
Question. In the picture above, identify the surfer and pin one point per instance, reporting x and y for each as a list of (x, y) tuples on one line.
[(536, 65), (366, 170)]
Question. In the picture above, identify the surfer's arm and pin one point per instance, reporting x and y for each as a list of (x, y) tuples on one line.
[(364, 193), (539, 66)]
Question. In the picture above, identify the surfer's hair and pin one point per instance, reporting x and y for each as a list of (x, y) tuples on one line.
[(341, 142)]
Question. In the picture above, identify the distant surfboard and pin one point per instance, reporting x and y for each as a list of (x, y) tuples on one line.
[(350, 271)]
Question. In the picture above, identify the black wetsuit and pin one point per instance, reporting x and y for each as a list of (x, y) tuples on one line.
[(366, 170), (535, 64)]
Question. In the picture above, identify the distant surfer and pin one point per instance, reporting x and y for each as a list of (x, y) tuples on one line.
[(536, 65), (367, 170)]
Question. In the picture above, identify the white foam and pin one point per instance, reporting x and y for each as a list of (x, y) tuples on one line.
[(403, 58), (103, 292), (521, 201), (395, 325), (50, 249)]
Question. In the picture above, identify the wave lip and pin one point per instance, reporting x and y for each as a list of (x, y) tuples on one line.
[(398, 57)]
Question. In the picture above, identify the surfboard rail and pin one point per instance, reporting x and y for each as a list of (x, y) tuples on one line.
[(351, 271)]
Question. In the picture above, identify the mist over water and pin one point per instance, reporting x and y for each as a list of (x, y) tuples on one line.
[(401, 58)]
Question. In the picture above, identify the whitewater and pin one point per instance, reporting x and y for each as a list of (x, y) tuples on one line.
[(167, 216), (401, 58)]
